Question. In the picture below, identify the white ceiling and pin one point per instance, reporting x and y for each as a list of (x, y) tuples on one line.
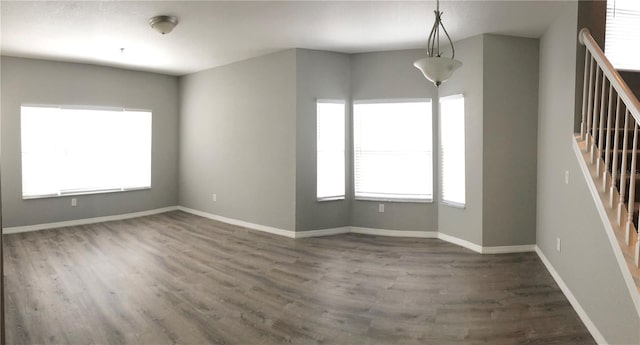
[(214, 33)]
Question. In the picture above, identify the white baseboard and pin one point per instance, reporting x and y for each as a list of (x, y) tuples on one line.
[(248, 225), (366, 231), (393, 233), (509, 249), (312, 233), (323, 232), (486, 250), (44, 226), (597, 336), (462, 243)]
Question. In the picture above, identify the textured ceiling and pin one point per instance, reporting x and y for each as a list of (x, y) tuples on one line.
[(214, 33)]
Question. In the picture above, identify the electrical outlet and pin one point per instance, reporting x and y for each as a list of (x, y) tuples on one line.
[(566, 177), (214, 197), (558, 247), (380, 208), (74, 202)]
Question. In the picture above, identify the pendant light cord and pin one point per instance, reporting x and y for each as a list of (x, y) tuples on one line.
[(433, 42)]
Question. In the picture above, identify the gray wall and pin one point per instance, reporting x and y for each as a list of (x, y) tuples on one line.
[(499, 79), (265, 177), (47, 82), (238, 140), (510, 120), (586, 262), (467, 223), (387, 75), (319, 75)]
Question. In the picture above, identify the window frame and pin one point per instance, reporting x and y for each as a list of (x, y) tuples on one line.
[(77, 192), (440, 153), (353, 130), (344, 150)]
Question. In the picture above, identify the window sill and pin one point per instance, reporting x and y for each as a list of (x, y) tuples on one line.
[(333, 198), (453, 204), (31, 197), (415, 201)]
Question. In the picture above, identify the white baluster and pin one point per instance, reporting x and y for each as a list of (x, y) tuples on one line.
[(594, 125), (632, 185), (637, 252), (584, 95), (607, 150), (601, 115), (623, 167), (614, 167), (589, 106)]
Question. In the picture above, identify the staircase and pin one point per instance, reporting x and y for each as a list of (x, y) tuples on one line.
[(610, 141)]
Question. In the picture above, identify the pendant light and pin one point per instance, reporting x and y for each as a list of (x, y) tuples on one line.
[(436, 67)]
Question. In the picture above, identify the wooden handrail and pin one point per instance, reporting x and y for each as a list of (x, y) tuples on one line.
[(623, 90)]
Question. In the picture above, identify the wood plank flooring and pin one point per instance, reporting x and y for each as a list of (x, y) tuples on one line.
[(175, 278)]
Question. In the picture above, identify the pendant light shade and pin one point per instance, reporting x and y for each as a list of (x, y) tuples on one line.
[(435, 67), (163, 24)]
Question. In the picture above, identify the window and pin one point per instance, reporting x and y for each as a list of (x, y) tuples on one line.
[(330, 150), (452, 152), (622, 39), (392, 150), (68, 150)]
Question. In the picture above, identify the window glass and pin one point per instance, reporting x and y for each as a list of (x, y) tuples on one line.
[(392, 150), (452, 150), (622, 41), (76, 151), (330, 150)]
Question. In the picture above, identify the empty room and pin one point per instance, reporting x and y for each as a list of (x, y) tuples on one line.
[(319, 172)]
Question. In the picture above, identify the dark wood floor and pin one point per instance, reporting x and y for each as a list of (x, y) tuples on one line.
[(178, 278)]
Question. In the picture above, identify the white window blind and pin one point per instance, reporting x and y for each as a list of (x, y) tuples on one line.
[(452, 150), (392, 150), (330, 120), (77, 151), (622, 41)]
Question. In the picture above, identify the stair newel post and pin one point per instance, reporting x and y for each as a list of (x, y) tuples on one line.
[(587, 76), (589, 107), (632, 185), (623, 167), (607, 150), (614, 166), (600, 146), (594, 125)]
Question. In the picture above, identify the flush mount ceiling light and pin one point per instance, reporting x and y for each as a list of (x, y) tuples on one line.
[(436, 67), (163, 24)]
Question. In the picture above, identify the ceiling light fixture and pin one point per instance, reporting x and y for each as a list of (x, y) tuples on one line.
[(436, 67), (163, 24)]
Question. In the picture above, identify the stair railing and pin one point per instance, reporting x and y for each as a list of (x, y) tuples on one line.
[(607, 102)]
